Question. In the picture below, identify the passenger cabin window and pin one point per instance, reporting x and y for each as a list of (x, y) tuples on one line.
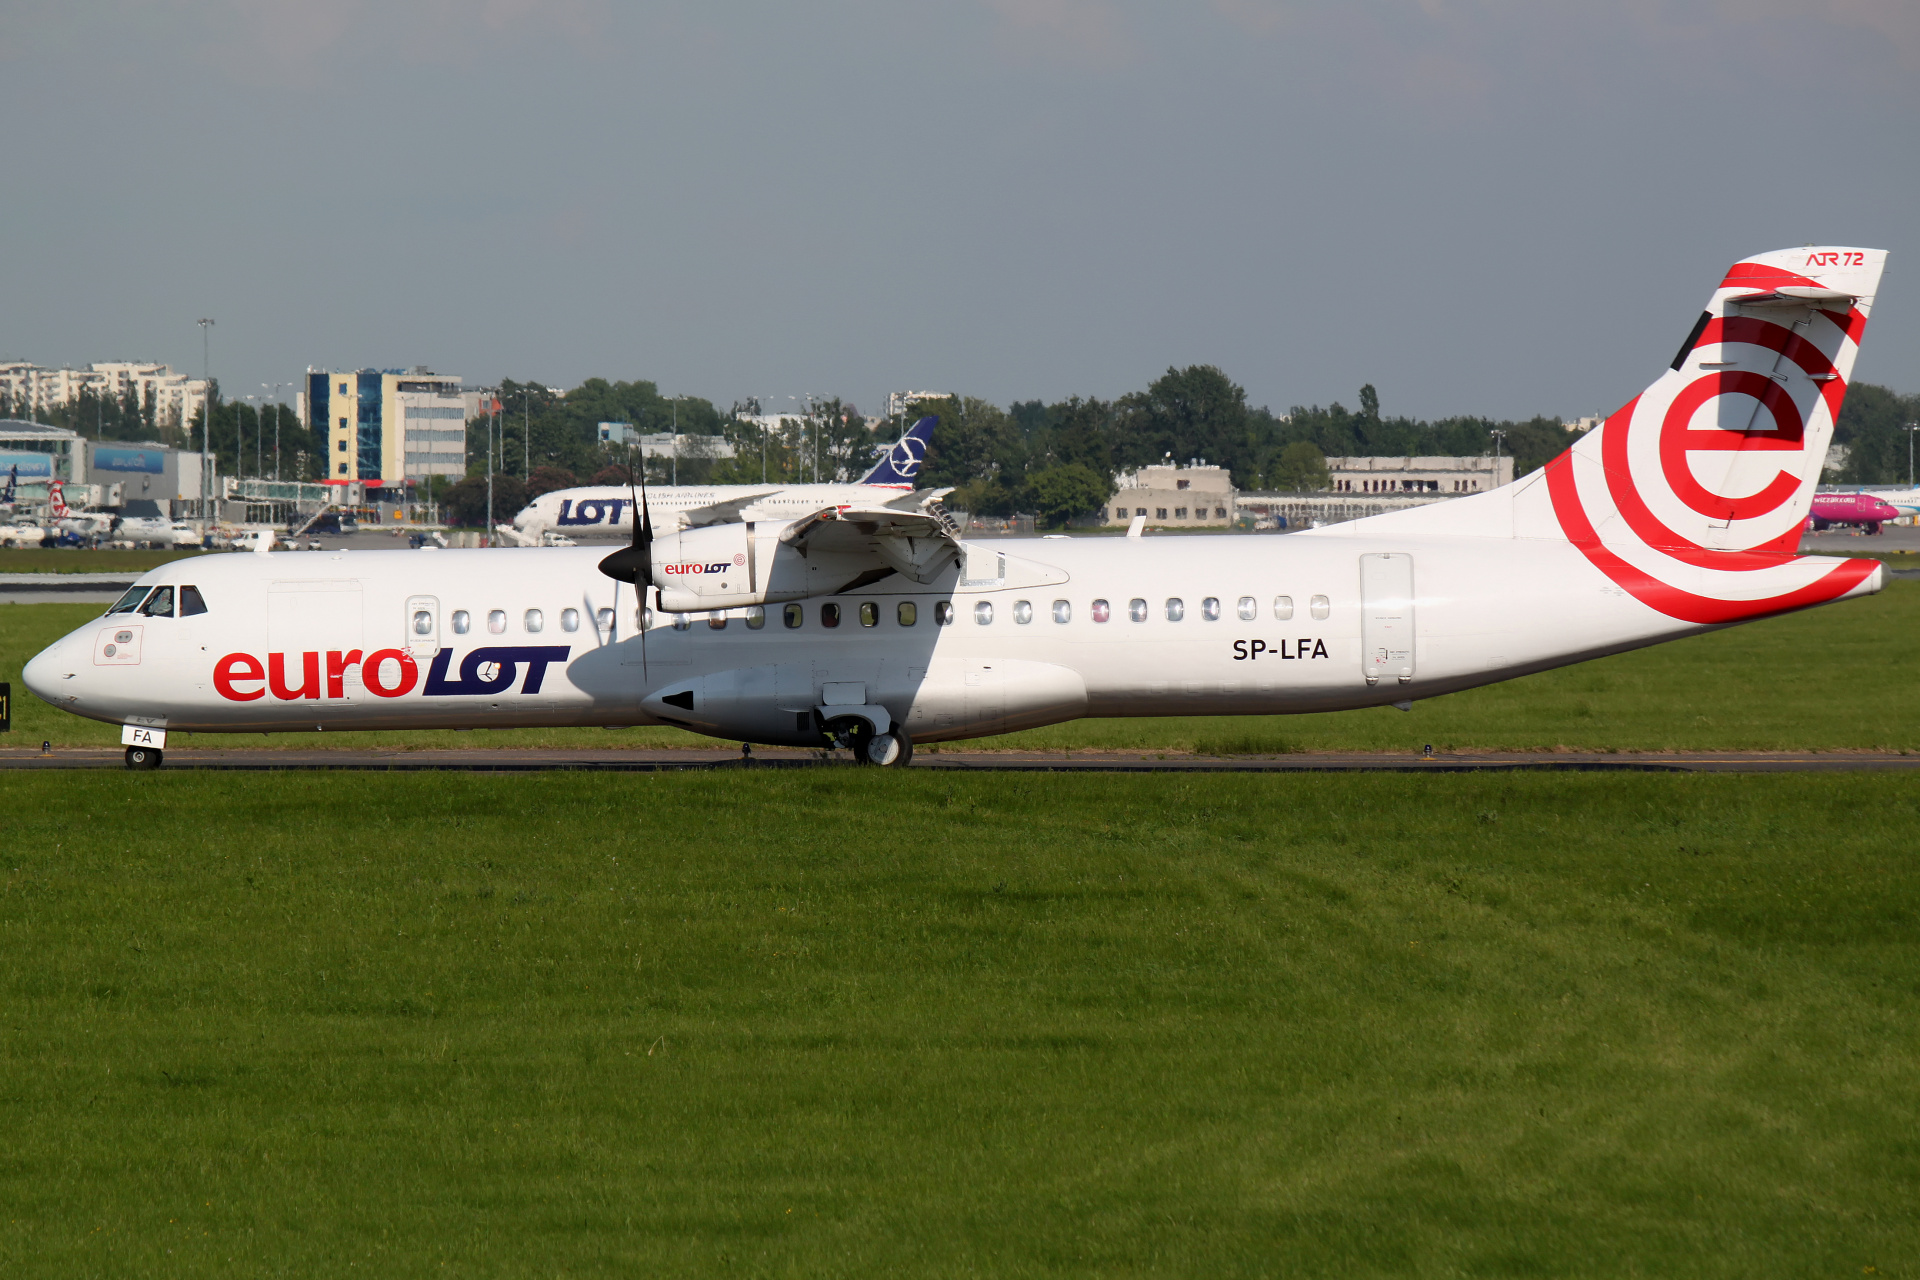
[(793, 615), (159, 604), (1176, 608), (643, 618), (1318, 606), (756, 616), (569, 619), (681, 622), (906, 614), (1137, 609), (717, 620), (869, 614), (1283, 607), (1248, 609), (829, 615), (1023, 611), (497, 622), (1062, 611), (422, 622), (603, 619), (129, 602), (943, 613), (1101, 611), (462, 622), (534, 620), (983, 613), (190, 602), (1210, 608)]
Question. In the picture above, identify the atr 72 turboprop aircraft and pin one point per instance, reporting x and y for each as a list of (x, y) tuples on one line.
[(592, 509), (876, 628)]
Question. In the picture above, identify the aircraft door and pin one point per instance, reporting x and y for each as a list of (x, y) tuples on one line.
[(1386, 616), (423, 626)]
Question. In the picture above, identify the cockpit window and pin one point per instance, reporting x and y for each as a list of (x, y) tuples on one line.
[(159, 604), (190, 602), (130, 601)]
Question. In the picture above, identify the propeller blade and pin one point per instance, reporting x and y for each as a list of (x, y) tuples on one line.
[(634, 562)]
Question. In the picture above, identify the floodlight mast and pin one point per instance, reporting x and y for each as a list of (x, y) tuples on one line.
[(206, 410)]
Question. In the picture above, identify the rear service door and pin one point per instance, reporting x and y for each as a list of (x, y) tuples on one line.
[(1386, 616)]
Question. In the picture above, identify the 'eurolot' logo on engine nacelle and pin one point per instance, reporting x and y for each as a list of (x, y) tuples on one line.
[(385, 673), (718, 566)]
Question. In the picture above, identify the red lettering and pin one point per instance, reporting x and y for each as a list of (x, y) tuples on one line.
[(309, 677), (337, 664), (236, 667), (370, 672)]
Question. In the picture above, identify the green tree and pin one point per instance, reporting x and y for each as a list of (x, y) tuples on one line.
[(1187, 414), (1065, 492), (1299, 468), (1871, 428), (976, 447)]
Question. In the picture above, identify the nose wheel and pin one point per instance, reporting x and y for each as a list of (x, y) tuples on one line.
[(143, 758)]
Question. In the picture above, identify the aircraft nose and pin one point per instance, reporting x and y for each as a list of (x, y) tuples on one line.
[(45, 672)]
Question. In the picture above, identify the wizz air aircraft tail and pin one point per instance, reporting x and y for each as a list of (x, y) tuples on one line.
[(1693, 497), (869, 622)]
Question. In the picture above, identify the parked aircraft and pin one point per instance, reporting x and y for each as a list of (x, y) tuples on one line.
[(610, 510), (1864, 510), (874, 626), (85, 525)]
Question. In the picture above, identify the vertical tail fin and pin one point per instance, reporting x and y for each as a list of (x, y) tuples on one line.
[(1693, 497), (57, 500), (901, 463)]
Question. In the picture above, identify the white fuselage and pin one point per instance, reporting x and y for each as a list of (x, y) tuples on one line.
[(472, 639)]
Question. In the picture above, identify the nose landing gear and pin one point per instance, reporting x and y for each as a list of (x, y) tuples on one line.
[(143, 758)]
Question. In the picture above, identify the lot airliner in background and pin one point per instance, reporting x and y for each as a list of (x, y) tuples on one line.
[(875, 625), (600, 509)]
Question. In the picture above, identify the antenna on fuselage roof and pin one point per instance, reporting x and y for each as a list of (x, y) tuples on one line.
[(634, 562)]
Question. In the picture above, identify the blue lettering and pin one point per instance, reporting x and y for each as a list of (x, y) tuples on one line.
[(506, 660)]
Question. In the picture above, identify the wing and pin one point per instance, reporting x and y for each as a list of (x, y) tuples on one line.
[(727, 512)]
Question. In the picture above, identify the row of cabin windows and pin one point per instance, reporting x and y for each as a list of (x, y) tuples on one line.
[(532, 621), (161, 602), (1174, 609), (1179, 513)]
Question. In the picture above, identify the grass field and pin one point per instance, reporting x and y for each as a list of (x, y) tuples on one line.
[(68, 560), (848, 1023), (1843, 677)]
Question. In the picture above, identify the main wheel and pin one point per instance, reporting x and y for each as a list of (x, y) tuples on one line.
[(892, 749), (143, 758)]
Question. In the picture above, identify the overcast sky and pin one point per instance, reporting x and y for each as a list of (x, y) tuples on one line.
[(1499, 207)]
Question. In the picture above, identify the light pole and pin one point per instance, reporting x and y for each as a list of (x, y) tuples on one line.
[(1910, 428), (1499, 438), (276, 427), (526, 432), (206, 411), (239, 454)]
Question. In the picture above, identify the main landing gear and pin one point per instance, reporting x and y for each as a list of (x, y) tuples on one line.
[(892, 749), (143, 758)]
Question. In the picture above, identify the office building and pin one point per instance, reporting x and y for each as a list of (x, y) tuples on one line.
[(388, 428)]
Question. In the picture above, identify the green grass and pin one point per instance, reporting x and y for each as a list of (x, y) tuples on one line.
[(74, 560), (848, 1023), (1843, 677)]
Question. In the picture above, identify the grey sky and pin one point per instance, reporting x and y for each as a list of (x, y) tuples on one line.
[(1482, 206)]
